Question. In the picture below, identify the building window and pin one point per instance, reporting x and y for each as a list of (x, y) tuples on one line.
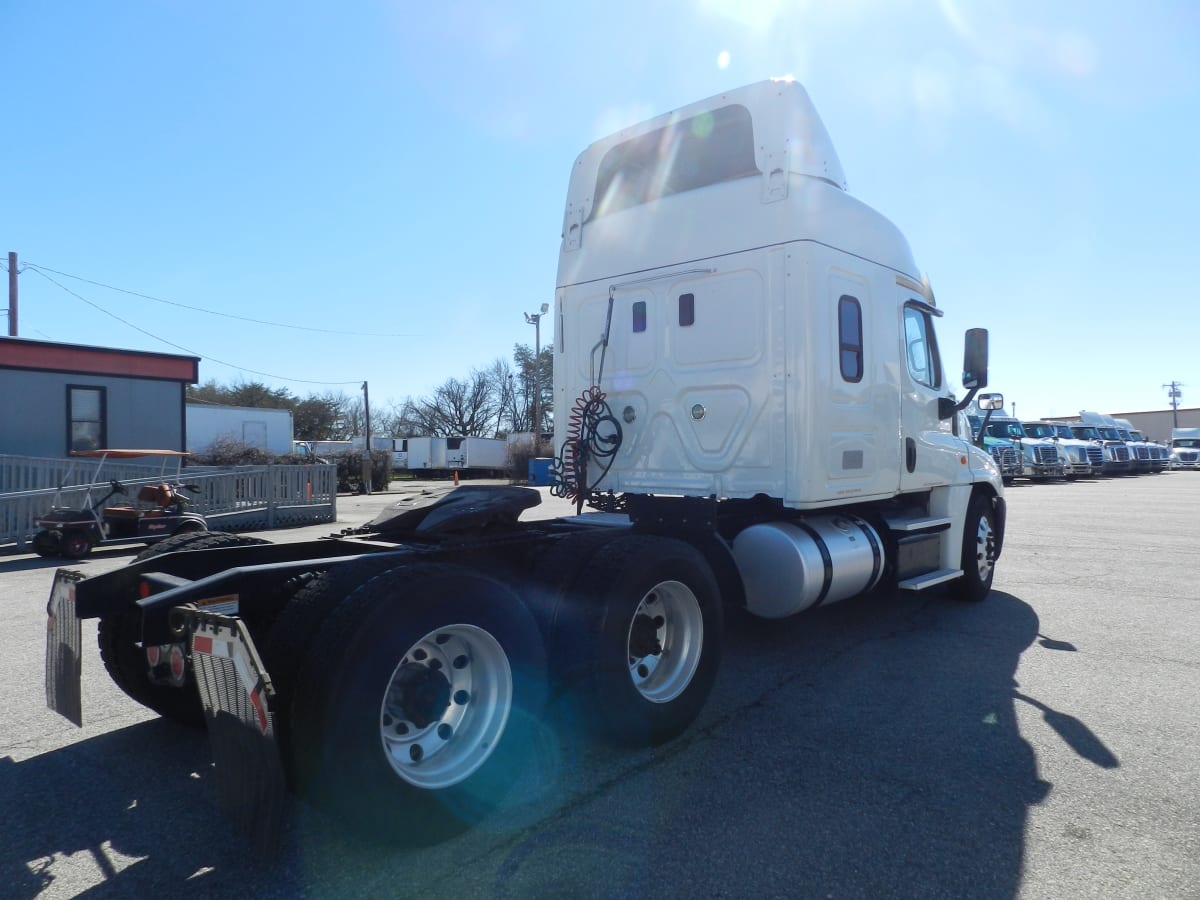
[(920, 345), (86, 414), (850, 338)]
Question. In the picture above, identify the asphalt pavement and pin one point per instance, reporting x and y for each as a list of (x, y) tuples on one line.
[(1041, 743)]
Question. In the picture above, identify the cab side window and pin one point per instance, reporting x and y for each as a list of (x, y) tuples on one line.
[(920, 345)]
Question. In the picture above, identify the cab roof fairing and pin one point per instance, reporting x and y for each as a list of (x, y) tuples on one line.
[(796, 139)]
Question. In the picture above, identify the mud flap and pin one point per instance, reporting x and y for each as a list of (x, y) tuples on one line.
[(64, 640), (237, 693)]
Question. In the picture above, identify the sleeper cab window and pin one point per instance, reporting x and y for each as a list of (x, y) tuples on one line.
[(639, 316), (687, 309), (920, 345), (850, 338)]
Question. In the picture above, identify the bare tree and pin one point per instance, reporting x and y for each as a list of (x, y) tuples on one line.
[(502, 377), (458, 407)]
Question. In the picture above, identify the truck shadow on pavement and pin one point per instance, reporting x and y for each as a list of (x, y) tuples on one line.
[(112, 815), (868, 749)]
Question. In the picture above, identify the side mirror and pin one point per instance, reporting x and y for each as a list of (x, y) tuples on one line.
[(975, 364), (975, 359), (990, 401)]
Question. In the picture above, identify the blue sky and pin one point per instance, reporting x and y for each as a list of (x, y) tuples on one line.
[(399, 169)]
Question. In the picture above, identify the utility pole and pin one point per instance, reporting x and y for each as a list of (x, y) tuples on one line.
[(1174, 393), (12, 294), (368, 462)]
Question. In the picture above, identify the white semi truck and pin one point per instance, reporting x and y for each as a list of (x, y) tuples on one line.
[(1040, 459), (760, 415), (1115, 437), (1078, 458), (1185, 448), (1153, 453)]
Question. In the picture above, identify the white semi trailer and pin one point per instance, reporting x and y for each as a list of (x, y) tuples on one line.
[(477, 455), (754, 394)]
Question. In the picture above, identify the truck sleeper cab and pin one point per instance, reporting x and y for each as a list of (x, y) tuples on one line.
[(753, 399)]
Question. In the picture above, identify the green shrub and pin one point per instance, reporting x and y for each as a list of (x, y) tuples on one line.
[(350, 471)]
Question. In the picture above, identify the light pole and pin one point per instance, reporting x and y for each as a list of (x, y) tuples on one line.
[(535, 319)]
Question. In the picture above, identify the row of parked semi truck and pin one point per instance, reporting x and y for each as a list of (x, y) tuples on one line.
[(1095, 445)]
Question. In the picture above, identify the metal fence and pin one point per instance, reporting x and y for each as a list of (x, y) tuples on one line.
[(240, 498)]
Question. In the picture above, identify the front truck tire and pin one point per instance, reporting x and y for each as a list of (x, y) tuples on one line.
[(978, 551), (418, 706), (638, 638), (119, 637)]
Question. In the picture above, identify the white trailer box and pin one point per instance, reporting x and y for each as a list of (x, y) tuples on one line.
[(426, 454), (479, 453), (267, 429), (399, 453)]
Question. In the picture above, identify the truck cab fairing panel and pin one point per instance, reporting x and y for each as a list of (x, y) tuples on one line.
[(724, 355)]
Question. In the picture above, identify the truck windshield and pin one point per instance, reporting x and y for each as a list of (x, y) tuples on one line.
[(1188, 443), (1005, 430), (1109, 433), (1040, 430), (1064, 431), (1086, 433)]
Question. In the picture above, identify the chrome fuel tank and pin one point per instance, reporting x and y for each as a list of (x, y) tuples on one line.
[(788, 567)]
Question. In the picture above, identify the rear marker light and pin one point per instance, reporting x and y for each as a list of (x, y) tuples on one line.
[(177, 663)]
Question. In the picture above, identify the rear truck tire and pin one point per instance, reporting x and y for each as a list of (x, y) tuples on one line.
[(556, 569), (286, 644), (75, 544), (978, 551), (46, 544), (119, 638), (640, 642), (417, 707)]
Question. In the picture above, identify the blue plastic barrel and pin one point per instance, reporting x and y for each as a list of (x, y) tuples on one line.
[(539, 471)]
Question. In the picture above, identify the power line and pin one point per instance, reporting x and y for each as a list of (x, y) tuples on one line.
[(213, 312), (180, 346)]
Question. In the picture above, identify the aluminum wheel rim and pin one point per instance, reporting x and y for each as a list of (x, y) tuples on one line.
[(983, 548), (461, 737), (661, 677)]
